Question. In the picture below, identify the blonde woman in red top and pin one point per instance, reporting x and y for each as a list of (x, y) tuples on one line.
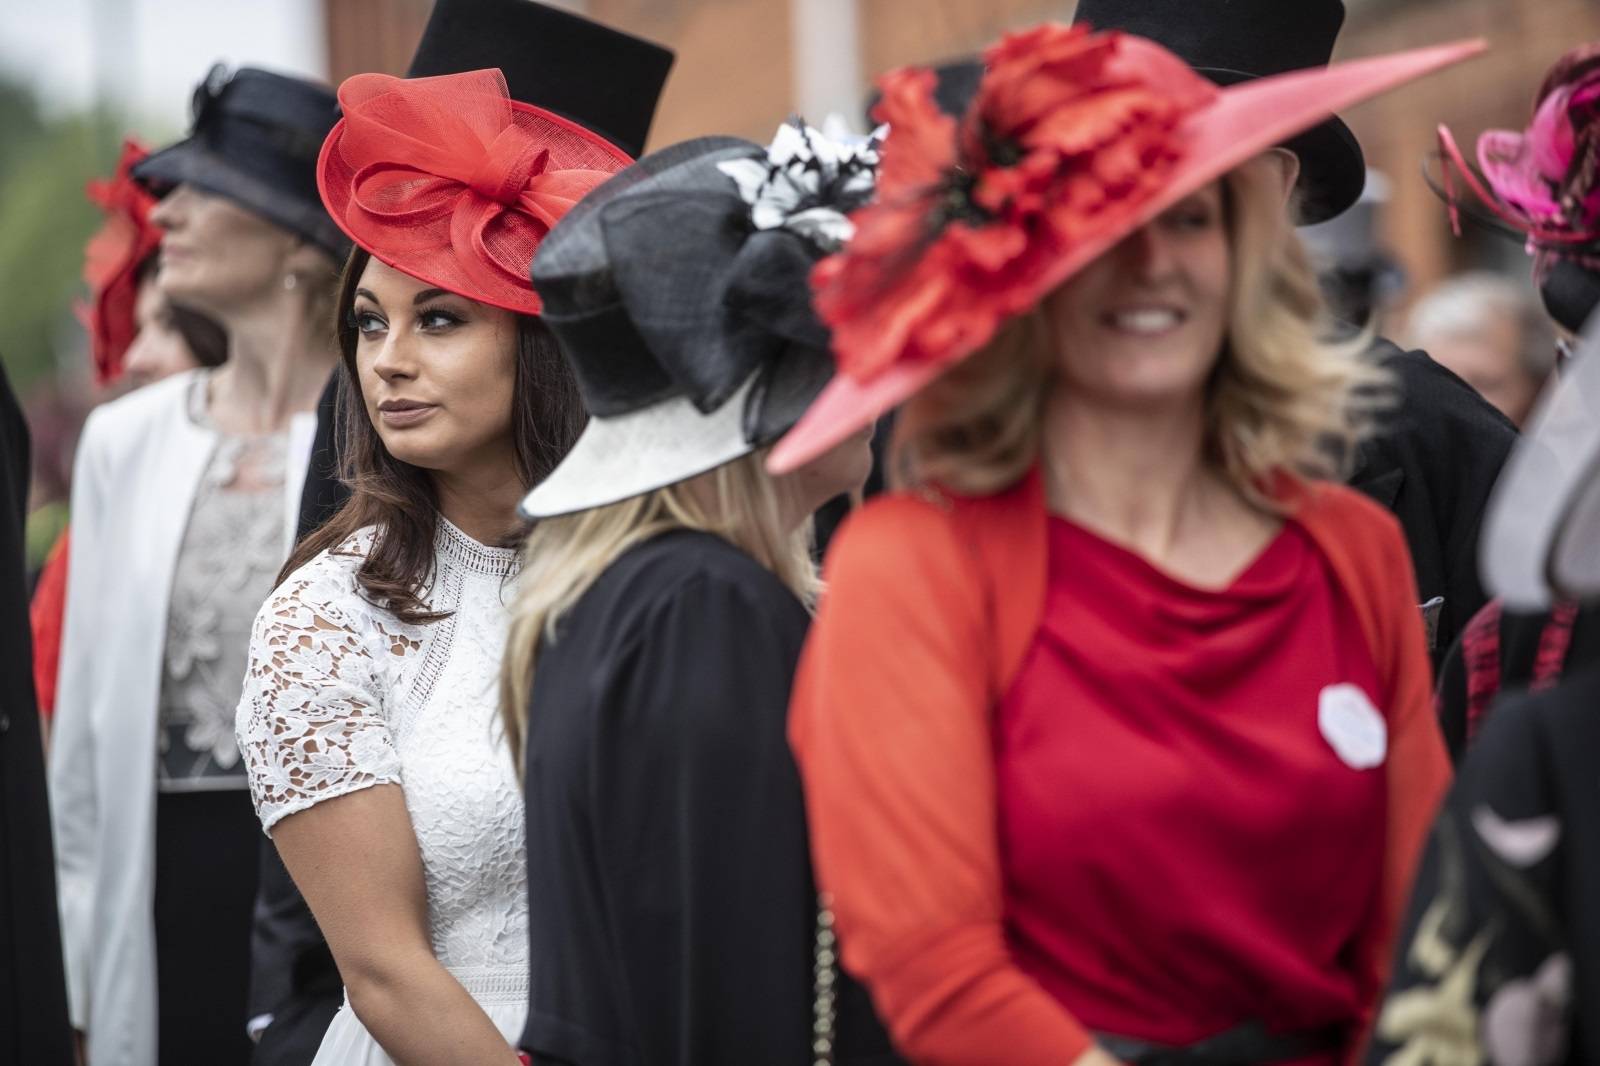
[(1115, 723)]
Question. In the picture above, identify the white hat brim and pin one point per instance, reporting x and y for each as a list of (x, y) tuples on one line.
[(1541, 536), (619, 458)]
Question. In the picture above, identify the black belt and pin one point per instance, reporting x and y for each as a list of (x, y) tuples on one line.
[(1249, 1044)]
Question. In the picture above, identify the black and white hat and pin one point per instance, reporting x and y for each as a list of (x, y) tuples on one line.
[(678, 290)]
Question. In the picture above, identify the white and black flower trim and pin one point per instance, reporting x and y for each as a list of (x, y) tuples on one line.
[(809, 182)]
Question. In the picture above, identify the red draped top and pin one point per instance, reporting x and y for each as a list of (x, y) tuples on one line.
[(1206, 826), (1183, 846)]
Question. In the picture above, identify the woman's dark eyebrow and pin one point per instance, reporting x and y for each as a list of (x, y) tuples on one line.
[(422, 297)]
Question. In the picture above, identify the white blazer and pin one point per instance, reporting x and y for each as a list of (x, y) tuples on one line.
[(137, 471)]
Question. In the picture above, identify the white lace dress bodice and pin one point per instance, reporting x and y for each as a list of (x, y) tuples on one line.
[(341, 695)]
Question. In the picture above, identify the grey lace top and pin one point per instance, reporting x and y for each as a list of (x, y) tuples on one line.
[(231, 551)]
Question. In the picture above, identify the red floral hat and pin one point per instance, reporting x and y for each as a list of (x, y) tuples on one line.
[(1074, 140), (111, 262), (451, 181)]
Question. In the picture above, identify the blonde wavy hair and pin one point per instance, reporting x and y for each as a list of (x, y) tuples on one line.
[(564, 556), (1281, 398)]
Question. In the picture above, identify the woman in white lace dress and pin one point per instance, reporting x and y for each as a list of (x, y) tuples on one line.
[(368, 719)]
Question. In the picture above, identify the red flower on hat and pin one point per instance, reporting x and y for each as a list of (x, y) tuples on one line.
[(1070, 132), (453, 182), (111, 262)]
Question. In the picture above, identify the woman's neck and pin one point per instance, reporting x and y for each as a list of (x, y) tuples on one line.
[(481, 499), (1140, 479), (1136, 477), (278, 363)]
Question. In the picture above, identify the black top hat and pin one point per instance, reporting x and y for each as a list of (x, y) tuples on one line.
[(1230, 41), (254, 138), (604, 80), (678, 290)]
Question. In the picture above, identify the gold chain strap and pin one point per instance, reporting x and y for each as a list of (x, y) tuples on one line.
[(826, 974)]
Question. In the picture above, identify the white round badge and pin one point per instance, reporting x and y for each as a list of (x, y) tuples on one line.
[(1352, 726)]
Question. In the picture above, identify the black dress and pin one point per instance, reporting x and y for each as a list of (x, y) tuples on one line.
[(33, 990), (1499, 960), (672, 915)]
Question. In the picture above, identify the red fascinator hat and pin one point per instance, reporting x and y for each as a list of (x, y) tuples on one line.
[(451, 181), (112, 260), (1074, 140)]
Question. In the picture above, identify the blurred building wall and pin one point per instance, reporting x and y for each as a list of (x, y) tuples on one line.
[(743, 65)]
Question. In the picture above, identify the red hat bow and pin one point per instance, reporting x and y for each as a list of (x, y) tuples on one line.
[(111, 262), (453, 182)]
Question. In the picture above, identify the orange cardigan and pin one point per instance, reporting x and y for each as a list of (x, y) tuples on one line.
[(931, 605)]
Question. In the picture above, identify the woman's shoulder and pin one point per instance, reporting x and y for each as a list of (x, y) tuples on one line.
[(1332, 512), (327, 583), (893, 523), (132, 415), (685, 564)]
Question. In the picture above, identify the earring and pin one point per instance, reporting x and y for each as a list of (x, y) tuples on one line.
[(290, 281)]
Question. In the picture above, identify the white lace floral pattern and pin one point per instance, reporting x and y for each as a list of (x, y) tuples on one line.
[(342, 696)]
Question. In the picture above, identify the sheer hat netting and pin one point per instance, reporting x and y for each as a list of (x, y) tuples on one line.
[(1074, 140), (451, 181)]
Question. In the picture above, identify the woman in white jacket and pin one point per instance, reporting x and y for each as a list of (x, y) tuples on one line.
[(183, 504)]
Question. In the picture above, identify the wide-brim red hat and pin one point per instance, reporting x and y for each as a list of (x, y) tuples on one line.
[(451, 181), (112, 260), (1074, 140)]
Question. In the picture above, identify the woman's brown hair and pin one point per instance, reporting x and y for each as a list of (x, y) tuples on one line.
[(399, 499)]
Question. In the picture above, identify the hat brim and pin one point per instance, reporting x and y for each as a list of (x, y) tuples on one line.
[(628, 455), (1542, 524), (1240, 123), (188, 163), (1333, 169)]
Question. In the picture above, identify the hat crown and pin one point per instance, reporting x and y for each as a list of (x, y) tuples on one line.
[(298, 113), (1251, 37), (603, 79)]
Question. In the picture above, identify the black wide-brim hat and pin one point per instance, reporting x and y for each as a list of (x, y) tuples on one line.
[(688, 325), (1235, 41), (253, 139), (603, 79)]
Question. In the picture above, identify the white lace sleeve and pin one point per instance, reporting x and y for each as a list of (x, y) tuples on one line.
[(311, 721)]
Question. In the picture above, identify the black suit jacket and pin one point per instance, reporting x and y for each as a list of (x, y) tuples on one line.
[(1433, 464), (33, 990), (292, 973)]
